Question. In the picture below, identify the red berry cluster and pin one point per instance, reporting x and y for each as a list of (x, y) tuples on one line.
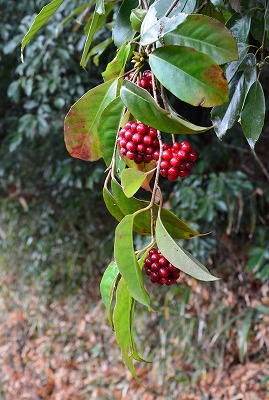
[(177, 160), (159, 269), (146, 80), (138, 142)]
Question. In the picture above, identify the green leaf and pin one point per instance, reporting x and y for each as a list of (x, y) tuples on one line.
[(111, 205), (179, 257), (107, 287), (108, 127), (253, 114), (116, 67), (123, 31), (80, 125), (98, 50), (97, 21), (131, 180), (190, 75), (239, 26), (127, 262), (226, 115), (122, 319), (40, 21), (206, 35), (142, 223), (141, 104)]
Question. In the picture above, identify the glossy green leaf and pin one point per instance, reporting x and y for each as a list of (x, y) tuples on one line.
[(190, 75), (154, 29), (179, 257), (108, 127), (122, 319), (92, 30), (107, 287), (96, 22), (111, 205), (131, 180), (253, 114), (123, 30), (98, 50), (239, 26), (80, 125), (141, 104), (127, 262), (115, 68), (206, 35), (39, 21), (226, 115), (142, 223)]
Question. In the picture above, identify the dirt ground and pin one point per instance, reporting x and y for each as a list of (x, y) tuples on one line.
[(65, 350)]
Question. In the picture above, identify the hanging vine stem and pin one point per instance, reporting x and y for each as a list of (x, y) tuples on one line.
[(146, 5), (156, 181)]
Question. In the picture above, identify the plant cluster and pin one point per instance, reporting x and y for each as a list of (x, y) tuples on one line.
[(197, 52)]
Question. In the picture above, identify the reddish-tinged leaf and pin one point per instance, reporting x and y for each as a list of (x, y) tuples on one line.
[(80, 126)]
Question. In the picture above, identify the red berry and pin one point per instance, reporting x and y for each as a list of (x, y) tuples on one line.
[(149, 150), (166, 146), (167, 155), (172, 171), (147, 140), (141, 148), (185, 146), (131, 155), (131, 146), (163, 272), (165, 164), (183, 174), (158, 268), (182, 154), (154, 277), (172, 177), (137, 137), (143, 83), (156, 155), (164, 172), (147, 74), (142, 128), (123, 143), (175, 162), (128, 135), (192, 156), (152, 132), (176, 146)]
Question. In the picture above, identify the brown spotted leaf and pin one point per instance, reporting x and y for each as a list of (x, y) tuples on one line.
[(80, 125)]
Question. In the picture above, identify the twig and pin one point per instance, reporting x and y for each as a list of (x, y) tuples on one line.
[(171, 7), (261, 164), (146, 5)]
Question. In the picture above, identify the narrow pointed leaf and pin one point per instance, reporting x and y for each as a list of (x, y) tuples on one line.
[(127, 262), (107, 287), (108, 127), (141, 104), (123, 31), (206, 35), (253, 114), (179, 257), (80, 125), (111, 205), (136, 356), (122, 324), (177, 228), (39, 21), (199, 80), (131, 180), (239, 26), (115, 68), (225, 116)]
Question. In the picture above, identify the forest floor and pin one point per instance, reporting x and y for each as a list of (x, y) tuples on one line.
[(64, 349)]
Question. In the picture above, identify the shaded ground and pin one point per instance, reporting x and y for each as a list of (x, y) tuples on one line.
[(65, 350)]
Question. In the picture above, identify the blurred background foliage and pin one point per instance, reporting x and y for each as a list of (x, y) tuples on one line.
[(56, 232), (52, 212)]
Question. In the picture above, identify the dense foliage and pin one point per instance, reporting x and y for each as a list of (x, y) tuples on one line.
[(206, 54)]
